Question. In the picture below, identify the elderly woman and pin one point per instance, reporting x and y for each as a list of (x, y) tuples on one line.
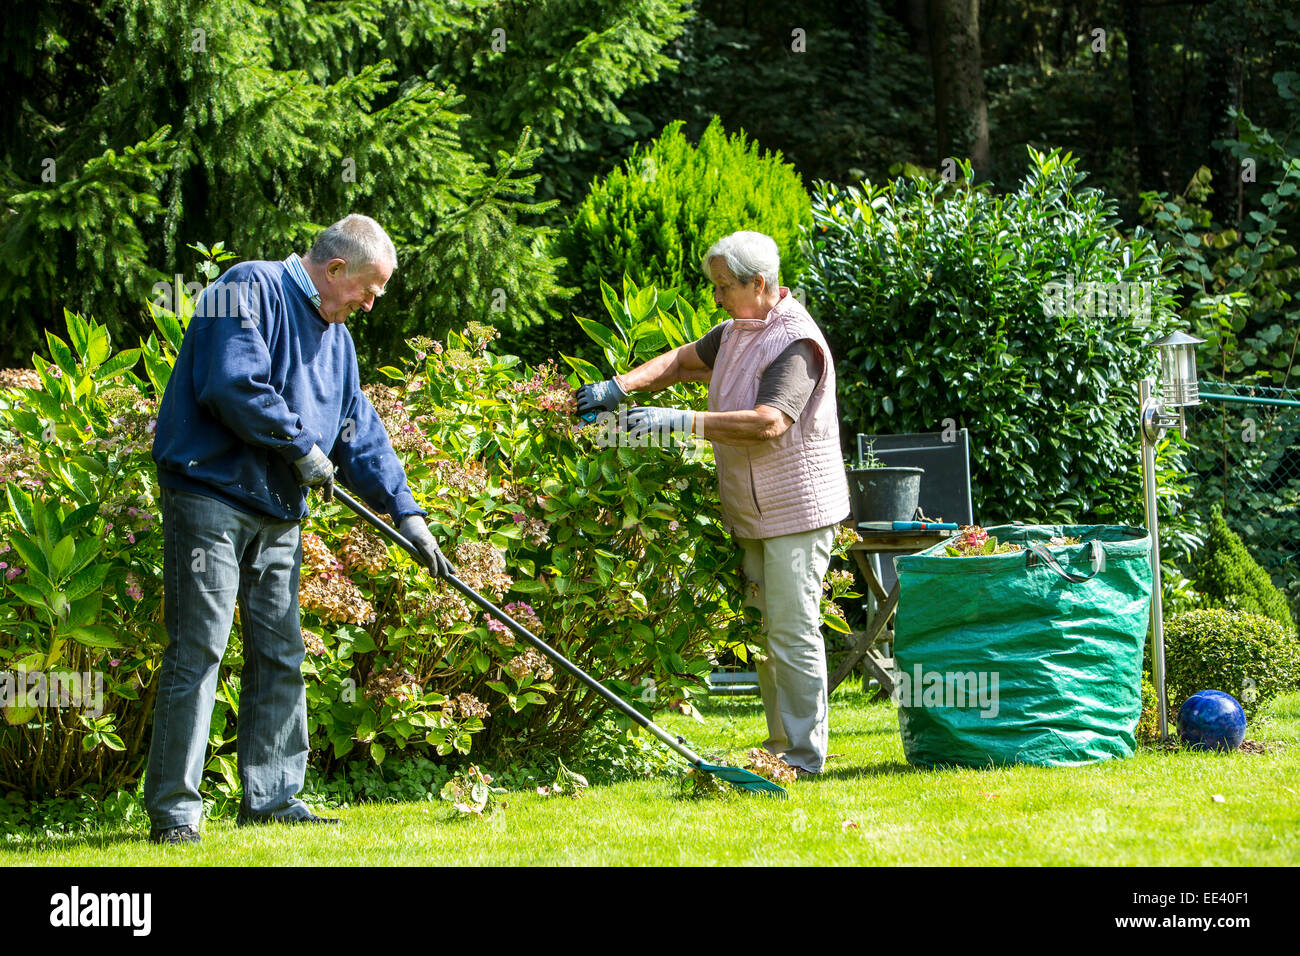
[(775, 433)]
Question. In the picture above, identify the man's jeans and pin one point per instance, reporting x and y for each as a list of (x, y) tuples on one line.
[(784, 581), (213, 554)]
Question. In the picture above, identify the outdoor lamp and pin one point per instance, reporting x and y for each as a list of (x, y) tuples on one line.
[(1177, 386), (1177, 390)]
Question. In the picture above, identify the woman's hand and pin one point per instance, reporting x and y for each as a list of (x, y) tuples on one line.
[(603, 396)]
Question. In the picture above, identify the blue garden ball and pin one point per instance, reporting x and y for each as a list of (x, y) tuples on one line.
[(1212, 720)]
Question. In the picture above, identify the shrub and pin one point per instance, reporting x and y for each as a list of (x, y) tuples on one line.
[(943, 301), (615, 555), (654, 218), (82, 561), (1229, 577), (1147, 729), (1249, 656)]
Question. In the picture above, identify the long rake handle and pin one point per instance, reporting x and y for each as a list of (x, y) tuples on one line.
[(573, 669)]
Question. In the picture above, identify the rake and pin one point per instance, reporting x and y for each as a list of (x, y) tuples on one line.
[(744, 779)]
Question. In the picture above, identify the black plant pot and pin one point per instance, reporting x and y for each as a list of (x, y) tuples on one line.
[(884, 494)]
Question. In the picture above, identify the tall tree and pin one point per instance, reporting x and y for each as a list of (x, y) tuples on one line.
[(139, 126), (960, 106), (1146, 134)]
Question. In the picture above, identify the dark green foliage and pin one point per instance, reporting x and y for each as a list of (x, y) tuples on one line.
[(1230, 578), (856, 100), (138, 126), (939, 302), (1147, 728), (1248, 656), (655, 217), (1053, 80), (1237, 282)]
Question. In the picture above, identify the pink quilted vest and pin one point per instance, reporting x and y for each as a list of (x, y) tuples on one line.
[(795, 482)]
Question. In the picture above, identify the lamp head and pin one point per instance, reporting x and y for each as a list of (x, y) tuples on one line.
[(1178, 369)]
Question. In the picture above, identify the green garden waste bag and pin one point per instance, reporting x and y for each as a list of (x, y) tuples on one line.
[(1032, 656)]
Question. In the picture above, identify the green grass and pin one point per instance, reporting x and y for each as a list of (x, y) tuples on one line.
[(1155, 809)]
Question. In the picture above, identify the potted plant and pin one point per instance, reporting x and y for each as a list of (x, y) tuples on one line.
[(880, 492)]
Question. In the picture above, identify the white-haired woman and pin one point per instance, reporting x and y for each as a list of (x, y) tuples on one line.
[(774, 428)]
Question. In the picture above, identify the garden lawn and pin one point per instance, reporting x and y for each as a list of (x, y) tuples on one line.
[(869, 808)]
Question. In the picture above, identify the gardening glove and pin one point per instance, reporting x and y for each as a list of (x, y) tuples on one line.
[(315, 470), (414, 530), (599, 397), (645, 420)]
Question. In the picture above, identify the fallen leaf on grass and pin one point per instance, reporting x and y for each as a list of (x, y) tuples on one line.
[(773, 768)]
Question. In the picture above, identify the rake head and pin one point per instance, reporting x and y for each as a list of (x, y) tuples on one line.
[(745, 779)]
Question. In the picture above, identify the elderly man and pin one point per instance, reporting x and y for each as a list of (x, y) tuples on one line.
[(265, 400), (775, 433)]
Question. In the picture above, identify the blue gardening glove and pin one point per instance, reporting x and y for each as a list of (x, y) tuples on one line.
[(646, 420), (414, 530), (603, 396), (315, 470)]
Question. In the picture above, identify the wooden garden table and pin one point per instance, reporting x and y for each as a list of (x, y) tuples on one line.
[(881, 606)]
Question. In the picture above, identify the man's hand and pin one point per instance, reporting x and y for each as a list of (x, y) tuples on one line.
[(315, 470), (414, 530), (652, 419), (603, 396)]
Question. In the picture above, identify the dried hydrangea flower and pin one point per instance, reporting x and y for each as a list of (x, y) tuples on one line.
[(394, 682), (313, 643)]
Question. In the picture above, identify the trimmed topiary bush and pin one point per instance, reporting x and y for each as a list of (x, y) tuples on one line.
[(1230, 578), (655, 217), (1249, 656)]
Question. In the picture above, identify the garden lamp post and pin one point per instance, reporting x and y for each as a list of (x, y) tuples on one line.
[(1177, 390)]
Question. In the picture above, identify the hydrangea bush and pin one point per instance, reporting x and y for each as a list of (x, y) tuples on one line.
[(614, 555)]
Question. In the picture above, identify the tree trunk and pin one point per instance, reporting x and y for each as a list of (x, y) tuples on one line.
[(960, 107), (1145, 137), (1223, 65)]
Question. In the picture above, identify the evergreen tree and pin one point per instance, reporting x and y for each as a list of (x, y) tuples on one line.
[(1230, 578), (140, 126), (656, 216)]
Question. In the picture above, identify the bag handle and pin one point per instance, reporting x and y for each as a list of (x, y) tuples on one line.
[(1036, 550)]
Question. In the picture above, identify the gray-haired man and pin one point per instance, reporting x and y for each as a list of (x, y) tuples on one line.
[(264, 402)]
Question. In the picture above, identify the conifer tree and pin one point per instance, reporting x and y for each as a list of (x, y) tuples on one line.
[(1230, 578), (137, 127)]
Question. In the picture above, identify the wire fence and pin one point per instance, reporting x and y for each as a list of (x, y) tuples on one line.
[(1246, 458)]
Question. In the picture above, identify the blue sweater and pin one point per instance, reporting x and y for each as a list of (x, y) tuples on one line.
[(260, 378)]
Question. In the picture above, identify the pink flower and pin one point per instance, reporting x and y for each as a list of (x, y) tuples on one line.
[(109, 526), (672, 526), (519, 518), (494, 625), (115, 662), (133, 586), (131, 538), (13, 573)]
